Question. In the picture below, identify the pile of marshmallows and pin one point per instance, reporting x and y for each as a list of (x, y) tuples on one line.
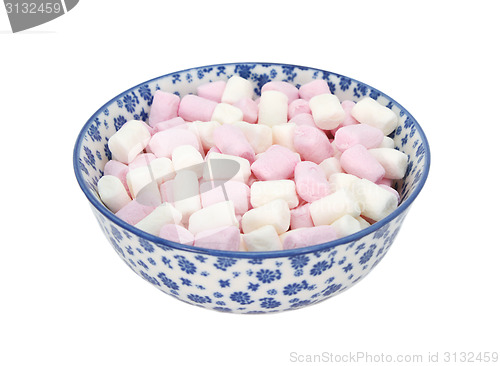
[(222, 170)]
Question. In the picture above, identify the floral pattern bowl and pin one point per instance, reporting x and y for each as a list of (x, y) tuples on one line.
[(246, 282)]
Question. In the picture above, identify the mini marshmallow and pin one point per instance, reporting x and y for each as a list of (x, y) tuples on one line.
[(212, 217), (176, 234), (358, 161), (165, 125), (226, 167), (133, 212), (260, 137), (313, 88), (392, 190), (393, 161), (163, 143), (309, 236), (310, 181), (273, 108), (277, 162), (346, 225), (237, 88), (326, 111), (375, 201), (195, 108), (141, 160), (231, 140), (205, 131), (159, 170), (249, 108), (212, 90), (275, 213), (186, 193), (331, 166), (370, 112), (262, 239), (226, 113), (163, 108), (187, 157), (387, 142), (282, 86), (112, 192), (300, 217), (349, 120), (167, 191), (298, 106), (312, 144), (283, 135), (162, 215), (332, 207), (119, 170), (221, 238), (303, 119), (219, 191), (363, 134), (339, 181), (129, 141), (267, 191)]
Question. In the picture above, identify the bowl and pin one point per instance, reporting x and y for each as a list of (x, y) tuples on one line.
[(246, 282)]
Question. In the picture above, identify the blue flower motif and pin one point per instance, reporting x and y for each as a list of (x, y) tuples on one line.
[(82, 166), (119, 122), (331, 289), (253, 286), (152, 261), (331, 86), (150, 279), (116, 246), (176, 78), (141, 263), (268, 276), (292, 289), (347, 268), (224, 283), (185, 265), (344, 83), (243, 70), (116, 233), (319, 268), (199, 299), (272, 292), (107, 151), (255, 261), (299, 261), (269, 303), (129, 249), (224, 263), (242, 298), (367, 255), (200, 258), (218, 295), (374, 94), (93, 131), (89, 159), (299, 304), (168, 282), (148, 247), (185, 281), (129, 102), (166, 262), (145, 93)]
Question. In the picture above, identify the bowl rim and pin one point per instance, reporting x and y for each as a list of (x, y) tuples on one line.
[(237, 254)]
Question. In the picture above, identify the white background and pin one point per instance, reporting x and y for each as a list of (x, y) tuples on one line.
[(67, 299)]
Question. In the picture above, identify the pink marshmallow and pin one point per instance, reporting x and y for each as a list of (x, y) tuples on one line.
[(275, 163), (303, 119), (176, 234), (142, 160), (211, 150), (312, 144), (301, 217), (298, 106), (223, 238), (213, 192), (313, 88), (212, 91), (385, 181), (167, 191), (349, 120), (358, 161), (165, 125), (164, 142), (282, 86), (133, 212), (164, 107), (118, 169), (309, 236), (194, 108), (310, 181), (150, 129), (231, 140), (249, 108), (366, 135)]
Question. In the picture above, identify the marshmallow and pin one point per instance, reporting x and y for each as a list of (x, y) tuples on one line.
[(370, 112), (249, 108), (313, 88), (262, 239), (310, 181), (393, 161), (226, 113), (358, 161), (267, 191), (387, 142), (187, 157), (283, 135), (362, 223), (163, 108), (226, 167), (221, 238), (112, 192), (331, 166), (277, 162), (133, 212), (326, 111), (275, 213), (260, 137), (339, 181), (119, 170), (195, 108), (298, 106), (231, 140), (165, 125), (163, 143), (219, 191), (303, 119), (282, 86), (205, 131), (129, 141), (273, 108), (349, 120), (176, 234), (363, 134), (212, 90), (141, 160), (392, 190), (375, 201), (186, 193), (312, 144), (346, 225), (309, 236), (332, 207), (300, 217), (159, 171), (159, 217), (212, 217), (237, 88)]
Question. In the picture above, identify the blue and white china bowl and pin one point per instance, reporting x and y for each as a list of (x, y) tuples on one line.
[(246, 282)]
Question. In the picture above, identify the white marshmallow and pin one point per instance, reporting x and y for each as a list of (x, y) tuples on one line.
[(326, 111), (387, 142), (362, 223), (393, 161), (112, 192), (369, 111), (260, 137), (205, 131), (213, 216), (332, 207), (275, 213), (375, 201), (340, 181), (237, 88), (346, 225), (186, 193), (263, 192), (218, 169), (187, 157), (129, 141), (273, 108), (159, 170), (162, 215), (263, 239), (227, 113), (331, 166), (283, 135)]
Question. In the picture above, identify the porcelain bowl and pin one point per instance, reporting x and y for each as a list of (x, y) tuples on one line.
[(246, 282)]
